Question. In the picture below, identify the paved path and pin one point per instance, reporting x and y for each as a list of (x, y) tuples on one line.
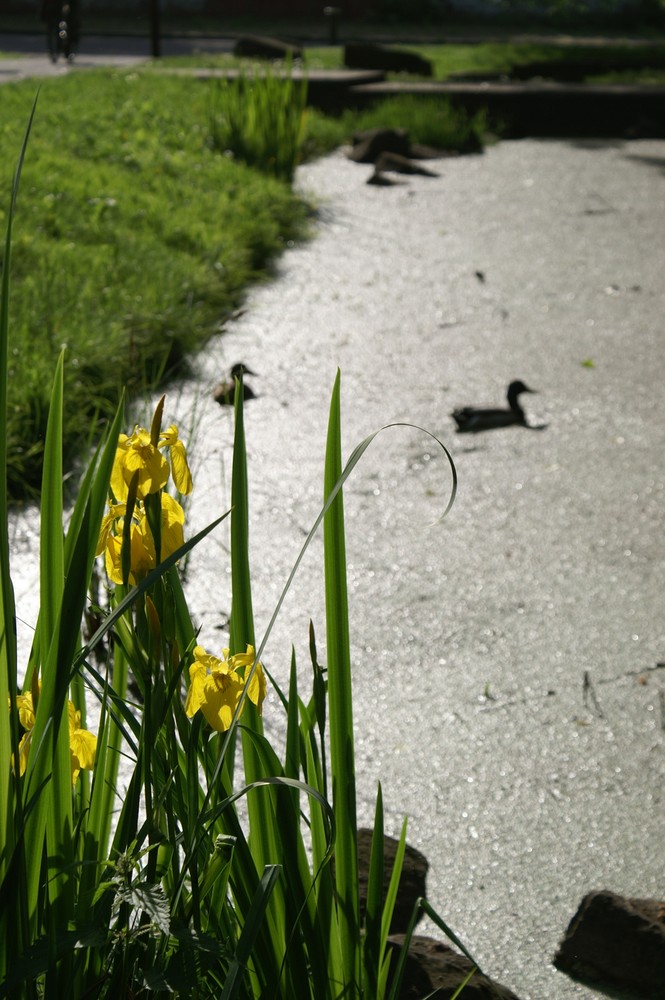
[(29, 57)]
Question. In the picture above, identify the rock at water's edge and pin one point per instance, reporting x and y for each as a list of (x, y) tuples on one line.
[(412, 883), (262, 47), (435, 970), (617, 941), (366, 55)]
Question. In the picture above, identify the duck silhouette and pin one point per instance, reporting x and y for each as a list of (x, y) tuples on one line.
[(471, 419), (225, 392)]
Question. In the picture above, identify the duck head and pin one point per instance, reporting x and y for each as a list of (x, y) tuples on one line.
[(240, 369), (225, 392), (516, 389)]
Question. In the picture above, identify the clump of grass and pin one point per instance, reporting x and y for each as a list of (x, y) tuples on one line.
[(132, 242), (431, 121), (259, 119)]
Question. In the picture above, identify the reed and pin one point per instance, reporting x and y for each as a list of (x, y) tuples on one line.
[(259, 118)]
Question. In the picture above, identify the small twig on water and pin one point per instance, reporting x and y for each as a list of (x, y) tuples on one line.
[(589, 696)]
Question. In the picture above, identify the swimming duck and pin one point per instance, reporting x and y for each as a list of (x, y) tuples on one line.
[(474, 418), (225, 392)]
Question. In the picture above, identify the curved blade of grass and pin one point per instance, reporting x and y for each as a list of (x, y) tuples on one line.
[(331, 494), (352, 461)]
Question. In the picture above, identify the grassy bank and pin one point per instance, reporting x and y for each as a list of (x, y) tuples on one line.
[(133, 240)]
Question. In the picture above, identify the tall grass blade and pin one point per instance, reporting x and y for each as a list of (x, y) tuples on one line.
[(242, 618), (8, 653), (372, 944), (262, 838), (342, 762), (423, 905), (59, 817), (465, 982), (383, 958), (250, 931), (51, 548), (351, 463)]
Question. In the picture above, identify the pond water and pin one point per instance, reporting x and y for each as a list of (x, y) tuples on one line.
[(471, 636)]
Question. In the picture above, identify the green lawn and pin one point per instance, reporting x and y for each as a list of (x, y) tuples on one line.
[(132, 241), (640, 62)]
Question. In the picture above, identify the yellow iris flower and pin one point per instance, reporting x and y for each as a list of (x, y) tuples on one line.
[(182, 477), (143, 557), (82, 744), (138, 454), (216, 686)]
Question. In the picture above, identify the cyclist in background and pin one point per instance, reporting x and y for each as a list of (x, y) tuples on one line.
[(62, 27)]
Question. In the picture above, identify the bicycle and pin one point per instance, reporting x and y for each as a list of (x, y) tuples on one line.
[(61, 28)]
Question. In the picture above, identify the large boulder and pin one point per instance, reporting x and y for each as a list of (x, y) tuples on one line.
[(368, 144), (262, 47), (616, 941), (364, 55), (434, 970), (398, 164), (412, 882)]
